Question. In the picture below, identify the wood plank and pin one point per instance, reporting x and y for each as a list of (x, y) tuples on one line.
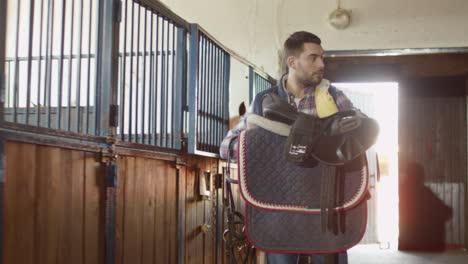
[(148, 202), (76, 177), (120, 209), (160, 225), (65, 210), (20, 196), (94, 187), (132, 247), (181, 213), (42, 205), (54, 196), (191, 212), (210, 236), (171, 211)]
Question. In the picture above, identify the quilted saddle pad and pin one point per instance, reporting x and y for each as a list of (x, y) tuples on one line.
[(283, 200)]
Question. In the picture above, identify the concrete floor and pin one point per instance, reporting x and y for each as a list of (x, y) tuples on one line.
[(371, 254)]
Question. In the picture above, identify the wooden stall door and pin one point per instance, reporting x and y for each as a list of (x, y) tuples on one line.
[(54, 201), (146, 224)]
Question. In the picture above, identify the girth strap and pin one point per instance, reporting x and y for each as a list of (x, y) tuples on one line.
[(332, 194)]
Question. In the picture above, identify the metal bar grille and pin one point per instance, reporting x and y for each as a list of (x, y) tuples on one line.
[(150, 54), (260, 83), (209, 98), (257, 83), (50, 64)]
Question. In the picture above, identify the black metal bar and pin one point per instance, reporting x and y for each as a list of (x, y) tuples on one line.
[(203, 94), (151, 85), (137, 87), (28, 82), (214, 101), (16, 78), (166, 86), (49, 50), (210, 98), (163, 85), (88, 88), (78, 70), (38, 103), (218, 101), (173, 85), (144, 83), (156, 74), (70, 65), (200, 84), (220, 98), (60, 68), (123, 75), (131, 75)]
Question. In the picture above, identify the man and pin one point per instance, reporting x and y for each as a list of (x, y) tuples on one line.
[(303, 87)]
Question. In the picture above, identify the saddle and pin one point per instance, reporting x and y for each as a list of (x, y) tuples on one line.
[(315, 204)]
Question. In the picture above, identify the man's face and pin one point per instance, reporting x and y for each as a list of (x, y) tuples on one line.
[(308, 67)]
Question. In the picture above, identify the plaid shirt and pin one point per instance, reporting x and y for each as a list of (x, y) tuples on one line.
[(228, 148)]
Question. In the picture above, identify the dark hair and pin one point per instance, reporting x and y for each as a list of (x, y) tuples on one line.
[(295, 43)]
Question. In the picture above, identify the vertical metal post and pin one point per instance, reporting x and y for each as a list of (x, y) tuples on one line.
[(166, 86), (88, 86), (70, 65), (38, 102), (192, 88), (156, 84), (143, 93), (151, 84), (209, 105), (60, 68), (163, 83), (201, 93), (227, 74), (17, 68), (78, 70), (137, 79), (123, 75), (173, 75), (181, 60), (28, 82), (107, 55), (49, 50), (131, 75)]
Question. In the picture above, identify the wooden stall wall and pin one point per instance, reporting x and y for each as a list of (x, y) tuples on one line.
[(54, 205), (432, 134), (146, 211), (200, 212)]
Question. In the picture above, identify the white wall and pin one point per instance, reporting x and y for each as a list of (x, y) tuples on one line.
[(256, 28)]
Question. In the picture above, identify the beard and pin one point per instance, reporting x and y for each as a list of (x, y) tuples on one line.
[(308, 79), (313, 79)]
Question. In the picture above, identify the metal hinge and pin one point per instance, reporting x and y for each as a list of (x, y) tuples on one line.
[(114, 116), (179, 163), (118, 11)]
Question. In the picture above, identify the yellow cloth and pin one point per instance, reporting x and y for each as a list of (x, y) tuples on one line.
[(324, 102)]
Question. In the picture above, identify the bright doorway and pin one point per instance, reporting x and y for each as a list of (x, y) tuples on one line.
[(379, 100)]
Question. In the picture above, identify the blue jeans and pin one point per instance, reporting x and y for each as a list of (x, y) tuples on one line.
[(294, 258)]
